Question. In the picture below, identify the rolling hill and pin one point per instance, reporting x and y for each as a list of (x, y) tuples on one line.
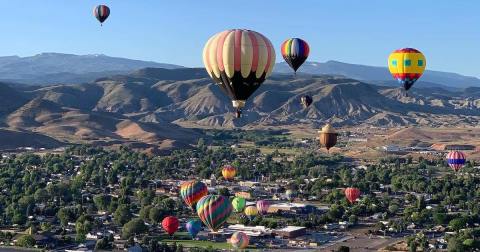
[(160, 108)]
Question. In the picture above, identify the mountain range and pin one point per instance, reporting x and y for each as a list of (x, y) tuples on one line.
[(162, 109)]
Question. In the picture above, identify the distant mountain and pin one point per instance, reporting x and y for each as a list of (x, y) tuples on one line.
[(380, 75), (52, 68)]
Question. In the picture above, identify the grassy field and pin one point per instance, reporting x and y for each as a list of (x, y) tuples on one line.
[(200, 244)]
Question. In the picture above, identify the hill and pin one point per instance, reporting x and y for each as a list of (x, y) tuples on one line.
[(159, 108)]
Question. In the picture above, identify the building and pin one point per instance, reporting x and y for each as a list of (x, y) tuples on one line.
[(449, 147), (291, 232), (292, 208)]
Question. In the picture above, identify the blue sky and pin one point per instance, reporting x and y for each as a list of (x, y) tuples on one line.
[(174, 31)]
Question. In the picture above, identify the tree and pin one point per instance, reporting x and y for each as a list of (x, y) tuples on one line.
[(26, 241), (455, 245), (133, 227), (155, 215), (457, 223), (121, 215), (64, 216)]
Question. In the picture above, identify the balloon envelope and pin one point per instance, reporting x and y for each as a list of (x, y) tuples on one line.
[(239, 61), (238, 204), (306, 101), (251, 211), (263, 206), (101, 12), (170, 224), (328, 136), (192, 191), (228, 172), (406, 65), (214, 210), (239, 240), (456, 160), (295, 51), (193, 227), (352, 194)]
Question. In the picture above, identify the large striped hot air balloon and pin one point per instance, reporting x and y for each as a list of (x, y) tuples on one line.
[(456, 160), (263, 206), (192, 191), (214, 210), (193, 227), (352, 194), (101, 12), (239, 61), (295, 51), (170, 224), (239, 240), (238, 204), (228, 172), (406, 65)]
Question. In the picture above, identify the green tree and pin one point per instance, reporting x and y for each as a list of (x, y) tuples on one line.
[(121, 215), (133, 227), (26, 241)]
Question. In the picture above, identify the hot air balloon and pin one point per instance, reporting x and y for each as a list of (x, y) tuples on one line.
[(328, 136), (290, 194), (101, 12), (239, 61), (406, 65), (170, 224), (352, 194), (456, 160), (239, 240), (295, 51), (251, 211), (238, 204), (306, 100), (192, 191), (263, 206), (213, 211), (228, 172), (193, 227)]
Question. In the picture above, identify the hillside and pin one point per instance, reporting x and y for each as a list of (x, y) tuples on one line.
[(159, 107)]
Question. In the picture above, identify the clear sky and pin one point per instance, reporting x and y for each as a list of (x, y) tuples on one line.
[(175, 31)]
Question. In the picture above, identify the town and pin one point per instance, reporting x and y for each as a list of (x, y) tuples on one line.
[(83, 198)]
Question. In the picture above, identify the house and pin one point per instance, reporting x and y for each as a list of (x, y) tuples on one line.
[(291, 232)]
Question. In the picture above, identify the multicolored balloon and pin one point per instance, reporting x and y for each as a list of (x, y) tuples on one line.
[(101, 12), (214, 210), (406, 65), (239, 61), (295, 51), (306, 101), (238, 204), (251, 211), (228, 172), (352, 194), (170, 224), (456, 160), (192, 191), (193, 227), (263, 206), (239, 240)]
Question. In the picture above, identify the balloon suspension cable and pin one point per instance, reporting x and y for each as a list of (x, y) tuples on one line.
[(295, 74)]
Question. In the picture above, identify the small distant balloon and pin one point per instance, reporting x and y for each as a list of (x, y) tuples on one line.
[(239, 240), (456, 160), (295, 51), (193, 227), (238, 204), (170, 224), (352, 194), (229, 172), (101, 12), (306, 101)]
